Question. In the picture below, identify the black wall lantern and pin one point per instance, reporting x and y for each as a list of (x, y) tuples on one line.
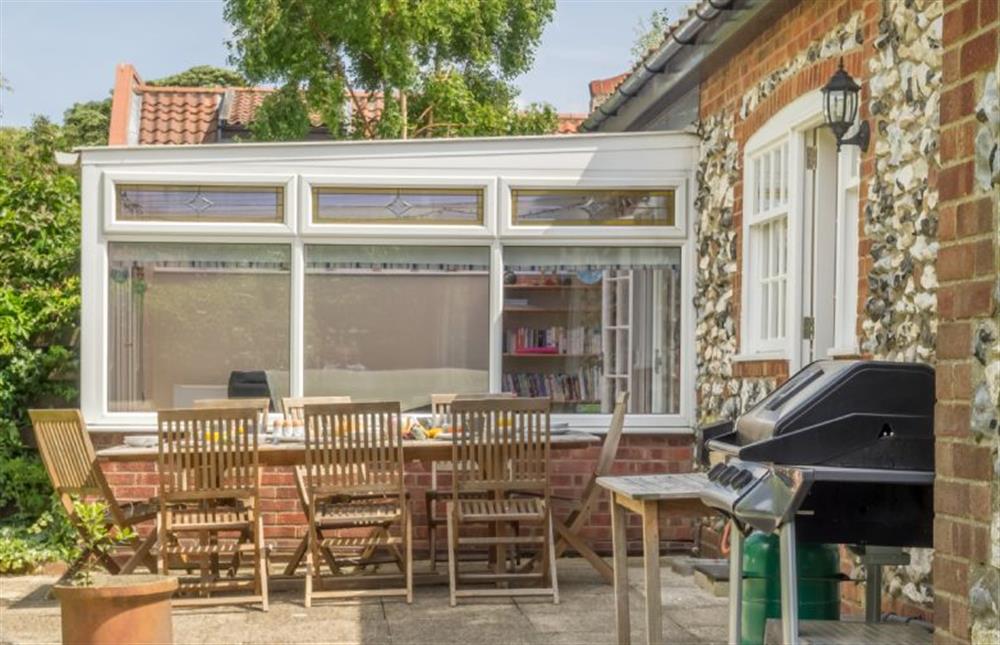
[(840, 104)]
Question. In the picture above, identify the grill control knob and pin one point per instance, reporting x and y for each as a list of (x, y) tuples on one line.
[(741, 480), (716, 470), (728, 475)]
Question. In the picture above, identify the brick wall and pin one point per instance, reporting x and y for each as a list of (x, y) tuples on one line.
[(571, 469), (967, 270)]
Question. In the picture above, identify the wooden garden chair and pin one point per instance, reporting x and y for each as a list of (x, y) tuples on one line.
[(354, 479), (261, 404), (209, 475), (441, 415), (568, 530), (509, 441), (294, 409), (72, 466)]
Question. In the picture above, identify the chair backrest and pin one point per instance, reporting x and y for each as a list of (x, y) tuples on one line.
[(208, 453), (67, 452), (508, 440), (611, 440), (441, 404), (293, 405), (354, 448)]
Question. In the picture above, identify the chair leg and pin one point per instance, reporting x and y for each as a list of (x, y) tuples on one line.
[(310, 567), (452, 543), (141, 554), (551, 565), (408, 517), (261, 553), (300, 552), (431, 533)]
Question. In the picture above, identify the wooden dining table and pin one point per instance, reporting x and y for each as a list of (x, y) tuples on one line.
[(293, 453)]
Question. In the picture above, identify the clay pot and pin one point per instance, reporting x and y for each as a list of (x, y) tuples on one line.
[(118, 609)]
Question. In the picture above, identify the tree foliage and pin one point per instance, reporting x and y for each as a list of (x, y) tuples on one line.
[(202, 76), (439, 67), (39, 300), (649, 32)]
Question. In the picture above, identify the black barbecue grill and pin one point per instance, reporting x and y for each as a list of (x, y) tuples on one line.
[(841, 453)]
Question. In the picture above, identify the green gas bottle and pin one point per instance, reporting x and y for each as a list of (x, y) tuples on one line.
[(819, 583)]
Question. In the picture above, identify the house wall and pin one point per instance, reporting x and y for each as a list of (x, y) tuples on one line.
[(967, 494), (892, 48)]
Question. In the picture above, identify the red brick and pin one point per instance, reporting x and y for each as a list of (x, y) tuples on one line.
[(984, 264), (974, 299), (958, 103), (951, 497), (975, 217), (959, 20), (980, 502), (951, 420), (989, 12), (980, 53), (954, 340), (972, 461), (956, 181), (950, 575), (957, 142)]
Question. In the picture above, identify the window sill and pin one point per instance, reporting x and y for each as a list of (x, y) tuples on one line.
[(759, 356)]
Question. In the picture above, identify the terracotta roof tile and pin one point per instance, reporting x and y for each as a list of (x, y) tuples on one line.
[(178, 115), (570, 123)]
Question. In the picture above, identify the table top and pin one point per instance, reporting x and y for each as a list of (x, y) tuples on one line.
[(656, 487), (290, 454)]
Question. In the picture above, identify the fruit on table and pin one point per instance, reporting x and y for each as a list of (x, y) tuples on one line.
[(433, 432)]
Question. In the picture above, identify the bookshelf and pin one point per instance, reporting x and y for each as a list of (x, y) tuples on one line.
[(552, 340)]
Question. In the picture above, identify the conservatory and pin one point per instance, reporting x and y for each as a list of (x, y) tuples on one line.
[(555, 266)]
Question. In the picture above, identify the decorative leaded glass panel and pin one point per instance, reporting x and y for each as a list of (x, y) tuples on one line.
[(398, 205), (594, 207), (197, 203)]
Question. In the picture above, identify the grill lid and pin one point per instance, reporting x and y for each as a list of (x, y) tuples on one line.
[(849, 413)]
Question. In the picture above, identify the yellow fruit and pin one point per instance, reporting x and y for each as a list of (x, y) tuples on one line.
[(433, 432)]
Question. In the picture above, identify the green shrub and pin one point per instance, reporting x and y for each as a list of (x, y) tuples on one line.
[(49, 538)]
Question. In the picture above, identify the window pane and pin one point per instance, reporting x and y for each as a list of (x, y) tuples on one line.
[(398, 205), (584, 324), (182, 318), (138, 202), (594, 207), (396, 323)]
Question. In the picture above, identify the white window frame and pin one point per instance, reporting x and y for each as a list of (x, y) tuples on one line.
[(790, 123), (848, 232), (300, 173)]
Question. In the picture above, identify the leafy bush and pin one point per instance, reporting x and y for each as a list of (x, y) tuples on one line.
[(49, 538), (95, 537)]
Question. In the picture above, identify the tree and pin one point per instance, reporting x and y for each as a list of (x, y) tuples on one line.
[(437, 67), (202, 76)]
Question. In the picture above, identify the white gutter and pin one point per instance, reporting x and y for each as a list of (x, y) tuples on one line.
[(686, 34)]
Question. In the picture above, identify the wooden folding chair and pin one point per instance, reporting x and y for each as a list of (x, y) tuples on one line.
[(441, 415), (72, 466), (294, 409), (508, 440), (568, 530), (262, 404), (209, 475), (354, 479)]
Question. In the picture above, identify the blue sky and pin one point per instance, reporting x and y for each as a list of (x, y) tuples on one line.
[(53, 53)]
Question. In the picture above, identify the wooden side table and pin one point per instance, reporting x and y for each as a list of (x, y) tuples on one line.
[(650, 496)]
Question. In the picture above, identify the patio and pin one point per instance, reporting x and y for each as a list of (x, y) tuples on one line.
[(585, 615)]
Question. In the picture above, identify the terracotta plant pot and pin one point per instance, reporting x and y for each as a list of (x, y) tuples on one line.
[(118, 609)]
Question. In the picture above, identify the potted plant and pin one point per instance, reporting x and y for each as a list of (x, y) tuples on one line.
[(101, 608)]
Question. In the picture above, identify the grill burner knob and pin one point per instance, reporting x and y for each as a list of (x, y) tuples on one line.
[(716, 470), (728, 475), (741, 480)]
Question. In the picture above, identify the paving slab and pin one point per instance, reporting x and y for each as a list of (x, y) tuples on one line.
[(585, 615)]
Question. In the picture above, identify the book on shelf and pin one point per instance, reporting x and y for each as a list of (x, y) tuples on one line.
[(552, 340), (580, 386)]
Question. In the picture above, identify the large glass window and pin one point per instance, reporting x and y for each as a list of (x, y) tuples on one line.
[(396, 323), (583, 324), (175, 203), (398, 205), (593, 207), (190, 321)]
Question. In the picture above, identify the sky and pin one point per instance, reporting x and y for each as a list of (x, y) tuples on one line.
[(54, 53)]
